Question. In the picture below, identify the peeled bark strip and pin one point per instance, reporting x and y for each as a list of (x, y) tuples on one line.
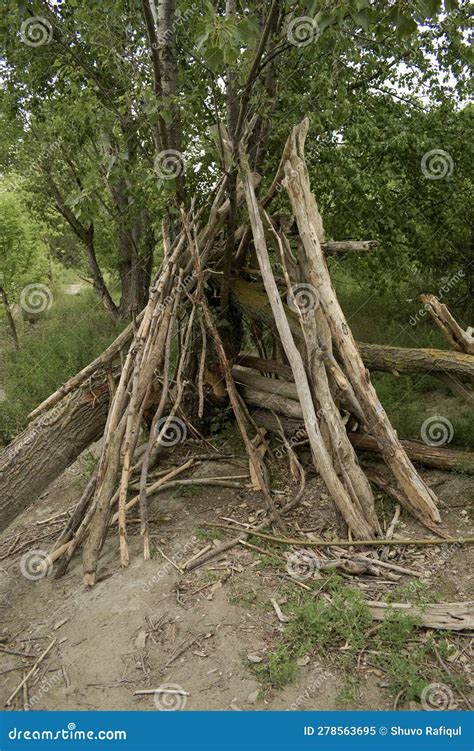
[(309, 222), (456, 336)]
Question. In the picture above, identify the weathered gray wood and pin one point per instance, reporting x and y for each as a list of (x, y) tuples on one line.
[(309, 222), (321, 457), (456, 336), (448, 616)]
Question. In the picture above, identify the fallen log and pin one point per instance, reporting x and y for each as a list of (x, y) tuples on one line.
[(411, 360), (252, 301), (336, 247), (429, 456), (447, 459), (52, 442)]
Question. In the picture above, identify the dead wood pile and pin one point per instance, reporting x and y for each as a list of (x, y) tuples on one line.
[(316, 372)]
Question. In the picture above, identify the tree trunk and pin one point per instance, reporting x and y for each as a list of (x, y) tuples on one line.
[(96, 273), (10, 319), (47, 447), (86, 236)]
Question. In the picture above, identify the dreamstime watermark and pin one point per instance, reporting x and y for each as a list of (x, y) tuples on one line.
[(311, 689), (303, 564), (44, 687), (303, 298), (64, 734), (3, 395), (180, 18), (45, 156), (170, 697), (437, 431), (451, 282), (171, 431), (36, 31), (302, 31), (169, 164), (301, 433), (182, 285), (36, 298), (36, 564), (437, 164), (29, 436), (437, 696), (442, 557), (291, 175), (167, 568)]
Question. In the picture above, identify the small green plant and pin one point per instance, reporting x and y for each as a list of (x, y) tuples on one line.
[(229, 436), (187, 491), (316, 625), (88, 463), (346, 697), (209, 534), (397, 629), (244, 599), (279, 669), (414, 592)]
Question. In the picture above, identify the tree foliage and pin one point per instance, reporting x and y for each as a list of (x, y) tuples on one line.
[(86, 121)]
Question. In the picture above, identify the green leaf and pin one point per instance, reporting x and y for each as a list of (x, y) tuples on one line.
[(325, 19), (215, 58), (247, 30), (167, 115), (451, 5), (429, 8), (405, 26), (201, 39), (361, 19)]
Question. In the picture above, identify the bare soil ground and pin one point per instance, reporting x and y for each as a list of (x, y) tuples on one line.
[(149, 625)]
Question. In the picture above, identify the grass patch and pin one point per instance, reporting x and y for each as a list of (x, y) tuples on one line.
[(279, 669), (209, 534), (414, 592), (347, 695), (322, 623), (73, 333), (319, 626)]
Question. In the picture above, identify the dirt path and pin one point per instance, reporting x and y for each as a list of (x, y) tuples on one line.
[(149, 626)]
